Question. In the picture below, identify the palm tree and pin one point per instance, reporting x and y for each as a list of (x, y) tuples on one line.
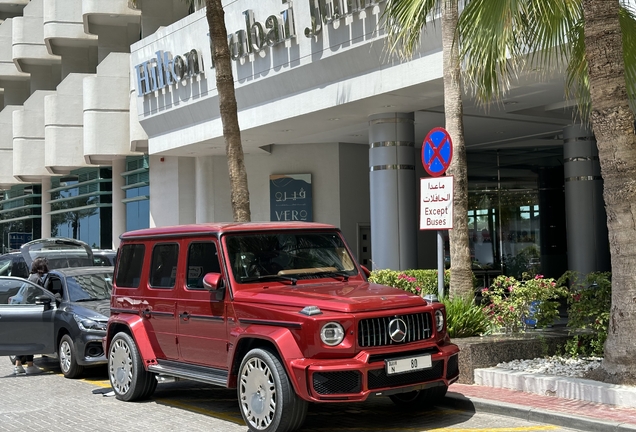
[(405, 20), (595, 41), (240, 195)]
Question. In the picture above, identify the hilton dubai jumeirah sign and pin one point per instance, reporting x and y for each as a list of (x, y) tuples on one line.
[(164, 69)]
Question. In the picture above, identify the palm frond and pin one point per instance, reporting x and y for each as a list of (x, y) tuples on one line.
[(404, 23), (491, 45)]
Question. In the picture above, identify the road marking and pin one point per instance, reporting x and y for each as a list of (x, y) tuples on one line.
[(221, 416)]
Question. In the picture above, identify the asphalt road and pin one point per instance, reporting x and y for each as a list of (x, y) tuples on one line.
[(50, 402)]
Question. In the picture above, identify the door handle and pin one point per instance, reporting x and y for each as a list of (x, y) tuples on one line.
[(184, 316)]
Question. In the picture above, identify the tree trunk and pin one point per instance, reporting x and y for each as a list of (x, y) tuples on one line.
[(613, 125), (461, 282), (229, 111)]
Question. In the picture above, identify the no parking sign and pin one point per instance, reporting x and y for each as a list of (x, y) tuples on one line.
[(437, 151)]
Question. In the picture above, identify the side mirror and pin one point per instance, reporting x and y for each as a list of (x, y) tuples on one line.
[(212, 281), (365, 270), (43, 300)]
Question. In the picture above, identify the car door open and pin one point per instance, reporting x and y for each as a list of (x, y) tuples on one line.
[(26, 318)]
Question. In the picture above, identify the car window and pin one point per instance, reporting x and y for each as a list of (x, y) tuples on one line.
[(202, 259), (5, 266), (21, 293), (102, 260), (304, 255), (8, 289), (129, 265), (163, 268), (87, 287)]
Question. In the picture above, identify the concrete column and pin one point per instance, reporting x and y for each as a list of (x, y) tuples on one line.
[(46, 207), (204, 185), (392, 188), (119, 208), (588, 244)]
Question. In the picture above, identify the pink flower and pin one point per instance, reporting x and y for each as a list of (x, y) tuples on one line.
[(512, 309), (510, 288), (538, 276), (484, 290), (553, 283)]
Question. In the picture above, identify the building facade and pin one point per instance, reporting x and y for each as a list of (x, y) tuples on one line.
[(110, 122)]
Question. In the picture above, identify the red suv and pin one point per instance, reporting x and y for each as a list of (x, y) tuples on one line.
[(280, 311)]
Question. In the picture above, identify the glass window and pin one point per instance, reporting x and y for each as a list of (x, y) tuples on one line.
[(5, 266), (130, 265), (26, 295), (202, 259), (163, 269), (92, 286), (289, 254)]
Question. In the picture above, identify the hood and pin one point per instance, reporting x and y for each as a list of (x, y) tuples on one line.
[(348, 297), (98, 310)]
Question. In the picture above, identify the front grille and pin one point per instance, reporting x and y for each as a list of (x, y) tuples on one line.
[(374, 332), (379, 379), (452, 370), (327, 383)]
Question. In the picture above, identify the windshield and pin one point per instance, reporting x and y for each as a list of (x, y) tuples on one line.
[(87, 287), (299, 254)]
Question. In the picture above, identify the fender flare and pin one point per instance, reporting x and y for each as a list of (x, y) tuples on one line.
[(285, 344), (136, 328)]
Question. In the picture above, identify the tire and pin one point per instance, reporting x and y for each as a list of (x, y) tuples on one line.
[(266, 397), (419, 398), (68, 358), (126, 372)]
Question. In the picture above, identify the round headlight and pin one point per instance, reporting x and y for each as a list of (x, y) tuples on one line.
[(439, 320), (332, 333)]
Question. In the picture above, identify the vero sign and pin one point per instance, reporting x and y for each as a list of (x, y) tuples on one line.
[(437, 151)]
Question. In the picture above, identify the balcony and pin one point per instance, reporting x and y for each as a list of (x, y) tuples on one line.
[(6, 147), (28, 44), (64, 27), (106, 111), (63, 126), (99, 14), (8, 70), (28, 139)]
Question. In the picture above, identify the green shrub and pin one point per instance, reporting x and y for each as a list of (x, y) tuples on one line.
[(420, 282), (464, 318), (589, 304)]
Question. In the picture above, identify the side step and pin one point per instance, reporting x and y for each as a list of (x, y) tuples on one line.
[(191, 372)]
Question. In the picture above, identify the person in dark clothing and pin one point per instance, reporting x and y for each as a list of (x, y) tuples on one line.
[(39, 275)]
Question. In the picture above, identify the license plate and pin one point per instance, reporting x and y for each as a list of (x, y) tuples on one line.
[(408, 364)]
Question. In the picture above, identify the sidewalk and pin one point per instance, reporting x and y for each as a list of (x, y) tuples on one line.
[(572, 413)]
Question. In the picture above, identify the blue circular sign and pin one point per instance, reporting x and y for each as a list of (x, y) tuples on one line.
[(437, 151)]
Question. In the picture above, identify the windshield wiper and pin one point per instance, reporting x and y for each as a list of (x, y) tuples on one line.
[(343, 274), (293, 280)]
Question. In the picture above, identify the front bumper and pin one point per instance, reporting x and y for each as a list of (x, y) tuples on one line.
[(358, 378), (89, 350)]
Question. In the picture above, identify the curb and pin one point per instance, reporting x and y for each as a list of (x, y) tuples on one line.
[(559, 386), (588, 424)]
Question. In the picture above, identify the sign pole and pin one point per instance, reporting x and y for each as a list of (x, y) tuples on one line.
[(436, 194), (440, 264)]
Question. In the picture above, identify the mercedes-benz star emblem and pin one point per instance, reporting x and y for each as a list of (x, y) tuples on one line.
[(397, 330)]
